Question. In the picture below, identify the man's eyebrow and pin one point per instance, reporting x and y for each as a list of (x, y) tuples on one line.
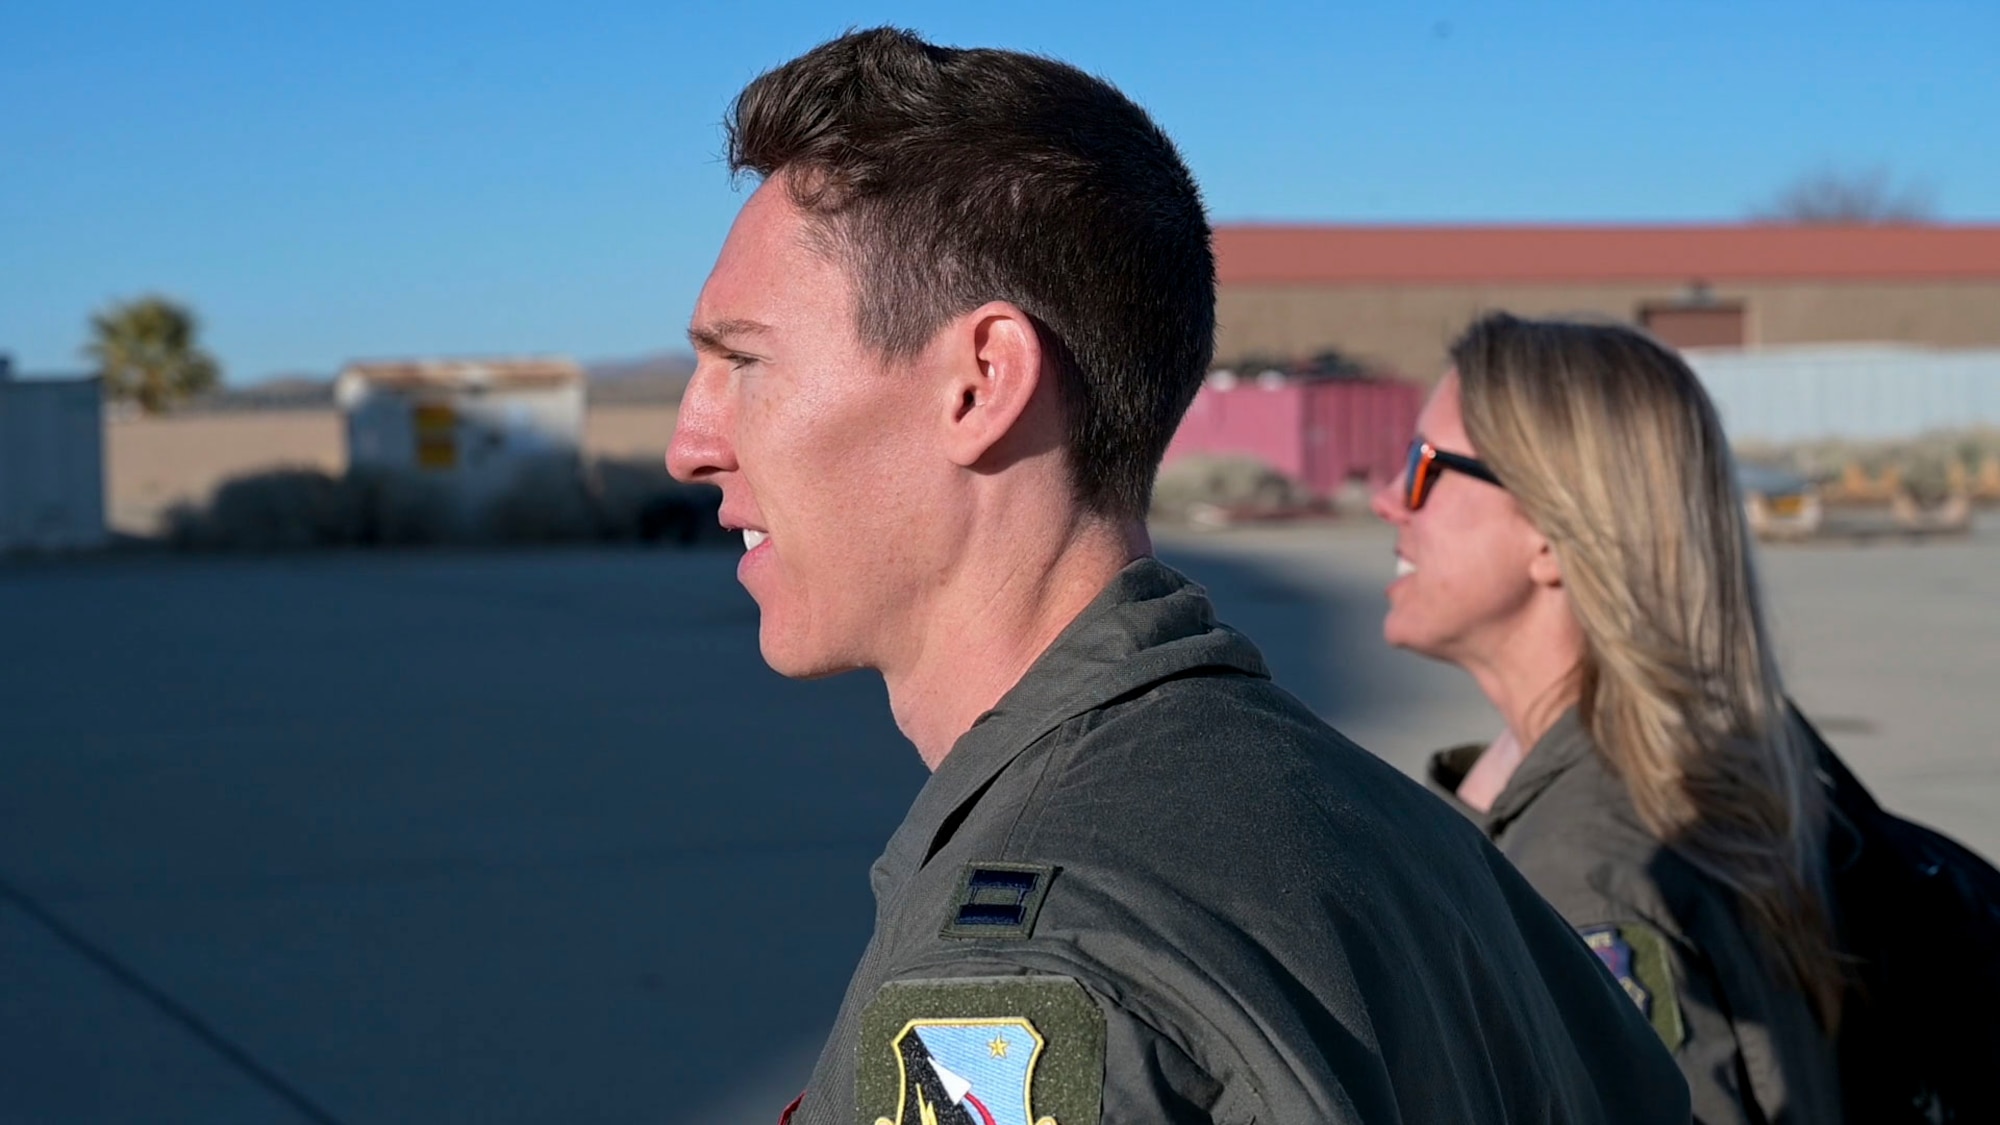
[(716, 337)]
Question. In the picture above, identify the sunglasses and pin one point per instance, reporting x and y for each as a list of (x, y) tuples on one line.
[(1427, 463)]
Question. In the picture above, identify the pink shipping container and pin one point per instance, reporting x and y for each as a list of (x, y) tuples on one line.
[(1319, 432)]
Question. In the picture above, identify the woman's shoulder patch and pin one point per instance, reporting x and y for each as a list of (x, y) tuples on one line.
[(1638, 956), (1021, 1050)]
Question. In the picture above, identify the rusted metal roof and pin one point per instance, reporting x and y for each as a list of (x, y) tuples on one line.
[(522, 372), (1417, 255)]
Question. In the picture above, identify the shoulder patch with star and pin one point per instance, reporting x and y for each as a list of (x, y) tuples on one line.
[(1022, 1050)]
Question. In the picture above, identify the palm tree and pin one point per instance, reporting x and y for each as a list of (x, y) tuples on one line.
[(146, 350)]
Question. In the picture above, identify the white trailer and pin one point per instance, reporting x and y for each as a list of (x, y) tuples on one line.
[(474, 423), (51, 463)]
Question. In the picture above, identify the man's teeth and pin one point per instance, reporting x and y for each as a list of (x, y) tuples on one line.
[(754, 539), (1404, 567)]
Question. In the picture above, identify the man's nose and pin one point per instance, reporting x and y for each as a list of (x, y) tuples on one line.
[(701, 446)]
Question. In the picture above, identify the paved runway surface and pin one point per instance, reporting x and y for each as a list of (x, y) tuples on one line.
[(536, 838)]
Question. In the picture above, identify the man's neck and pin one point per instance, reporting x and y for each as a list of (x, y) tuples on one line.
[(987, 627)]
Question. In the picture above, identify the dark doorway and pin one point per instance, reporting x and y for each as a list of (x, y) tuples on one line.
[(1719, 325)]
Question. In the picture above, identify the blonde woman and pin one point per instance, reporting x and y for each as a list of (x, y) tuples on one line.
[(1568, 531)]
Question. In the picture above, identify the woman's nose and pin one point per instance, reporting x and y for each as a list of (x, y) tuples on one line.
[(1387, 501)]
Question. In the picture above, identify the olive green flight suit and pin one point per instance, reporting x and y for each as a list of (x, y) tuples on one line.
[(1267, 923), (1745, 1037)]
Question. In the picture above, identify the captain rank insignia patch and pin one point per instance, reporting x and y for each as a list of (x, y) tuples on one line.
[(1637, 955), (1026, 1050), (998, 900)]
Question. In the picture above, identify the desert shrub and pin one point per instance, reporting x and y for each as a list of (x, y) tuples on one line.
[(182, 524), (285, 509), (610, 500), (290, 509), (1974, 448), (398, 508), (640, 500), (1197, 487), (1925, 463), (547, 501), (1924, 473), (556, 500)]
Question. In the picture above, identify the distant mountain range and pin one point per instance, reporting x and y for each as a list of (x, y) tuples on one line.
[(279, 392), (655, 379)]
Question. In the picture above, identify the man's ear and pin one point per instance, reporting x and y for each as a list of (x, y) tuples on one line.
[(993, 371)]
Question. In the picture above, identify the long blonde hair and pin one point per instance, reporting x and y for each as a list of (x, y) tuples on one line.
[(1616, 454)]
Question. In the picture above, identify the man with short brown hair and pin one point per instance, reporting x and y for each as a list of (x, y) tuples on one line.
[(941, 355)]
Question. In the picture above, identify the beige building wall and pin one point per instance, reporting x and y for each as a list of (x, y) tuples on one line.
[(153, 463), (1408, 327), (635, 432)]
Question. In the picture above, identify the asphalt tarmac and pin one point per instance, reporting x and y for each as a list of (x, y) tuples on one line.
[(535, 837)]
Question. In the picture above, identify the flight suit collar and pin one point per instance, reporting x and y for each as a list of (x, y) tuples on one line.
[(1559, 749), (1149, 624), (1446, 772)]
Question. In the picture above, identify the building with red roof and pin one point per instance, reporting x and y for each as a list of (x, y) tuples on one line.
[(1397, 295)]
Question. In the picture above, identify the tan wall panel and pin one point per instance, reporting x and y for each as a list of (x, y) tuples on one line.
[(638, 432), (1960, 315), (154, 463), (1409, 327)]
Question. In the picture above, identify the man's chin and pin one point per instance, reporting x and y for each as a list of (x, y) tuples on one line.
[(796, 662)]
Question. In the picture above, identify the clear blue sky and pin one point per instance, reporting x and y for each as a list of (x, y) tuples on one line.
[(330, 181)]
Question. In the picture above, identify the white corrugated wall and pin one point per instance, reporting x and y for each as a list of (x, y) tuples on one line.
[(1867, 392), (51, 464)]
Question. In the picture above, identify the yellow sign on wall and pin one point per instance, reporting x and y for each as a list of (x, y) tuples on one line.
[(436, 425)]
